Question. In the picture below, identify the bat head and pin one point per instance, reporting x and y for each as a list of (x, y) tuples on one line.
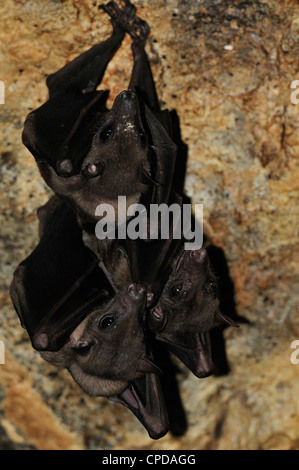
[(189, 299), (95, 154), (107, 345), (187, 310), (120, 144), (106, 356)]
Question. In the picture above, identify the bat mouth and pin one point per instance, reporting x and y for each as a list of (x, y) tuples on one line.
[(198, 358), (157, 319), (144, 397)]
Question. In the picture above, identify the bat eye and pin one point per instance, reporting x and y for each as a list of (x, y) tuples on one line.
[(107, 322), (106, 133), (176, 289)]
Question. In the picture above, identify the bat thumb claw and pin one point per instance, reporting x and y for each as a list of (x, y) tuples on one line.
[(223, 319), (40, 341)]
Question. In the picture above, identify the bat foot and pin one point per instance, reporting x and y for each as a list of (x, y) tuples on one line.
[(139, 32), (120, 18)]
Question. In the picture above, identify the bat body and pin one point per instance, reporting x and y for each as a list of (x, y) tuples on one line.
[(82, 148), (76, 320), (107, 356)]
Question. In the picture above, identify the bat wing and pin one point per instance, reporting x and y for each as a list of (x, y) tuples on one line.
[(57, 285), (150, 259), (59, 133)]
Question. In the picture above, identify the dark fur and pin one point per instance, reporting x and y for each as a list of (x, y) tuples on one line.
[(72, 282), (187, 310)]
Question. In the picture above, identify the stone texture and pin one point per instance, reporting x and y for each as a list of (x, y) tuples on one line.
[(227, 67)]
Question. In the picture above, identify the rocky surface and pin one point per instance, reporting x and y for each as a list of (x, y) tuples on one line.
[(226, 66)]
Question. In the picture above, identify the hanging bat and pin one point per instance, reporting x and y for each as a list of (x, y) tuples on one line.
[(107, 356), (76, 320), (76, 309), (187, 310), (82, 149)]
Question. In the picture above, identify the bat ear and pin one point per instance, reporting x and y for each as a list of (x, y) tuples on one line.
[(221, 319), (144, 397), (165, 150), (147, 366), (197, 357)]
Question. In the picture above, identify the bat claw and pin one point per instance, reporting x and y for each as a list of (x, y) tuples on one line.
[(40, 341), (120, 18), (139, 32)]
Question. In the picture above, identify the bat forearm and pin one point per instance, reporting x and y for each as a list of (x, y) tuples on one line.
[(92, 65)]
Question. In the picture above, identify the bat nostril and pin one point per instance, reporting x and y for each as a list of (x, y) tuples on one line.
[(136, 291), (64, 167), (198, 255), (127, 94)]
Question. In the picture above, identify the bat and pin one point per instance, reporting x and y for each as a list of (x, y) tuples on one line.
[(46, 318), (76, 320), (79, 144), (107, 356), (99, 308), (187, 310)]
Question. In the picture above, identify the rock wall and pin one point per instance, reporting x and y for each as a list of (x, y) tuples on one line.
[(226, 66)]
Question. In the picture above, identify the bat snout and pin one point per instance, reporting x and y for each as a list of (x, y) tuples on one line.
[(127, 96), (193, 256), (126, 102), (199, 256), (136, 291)]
